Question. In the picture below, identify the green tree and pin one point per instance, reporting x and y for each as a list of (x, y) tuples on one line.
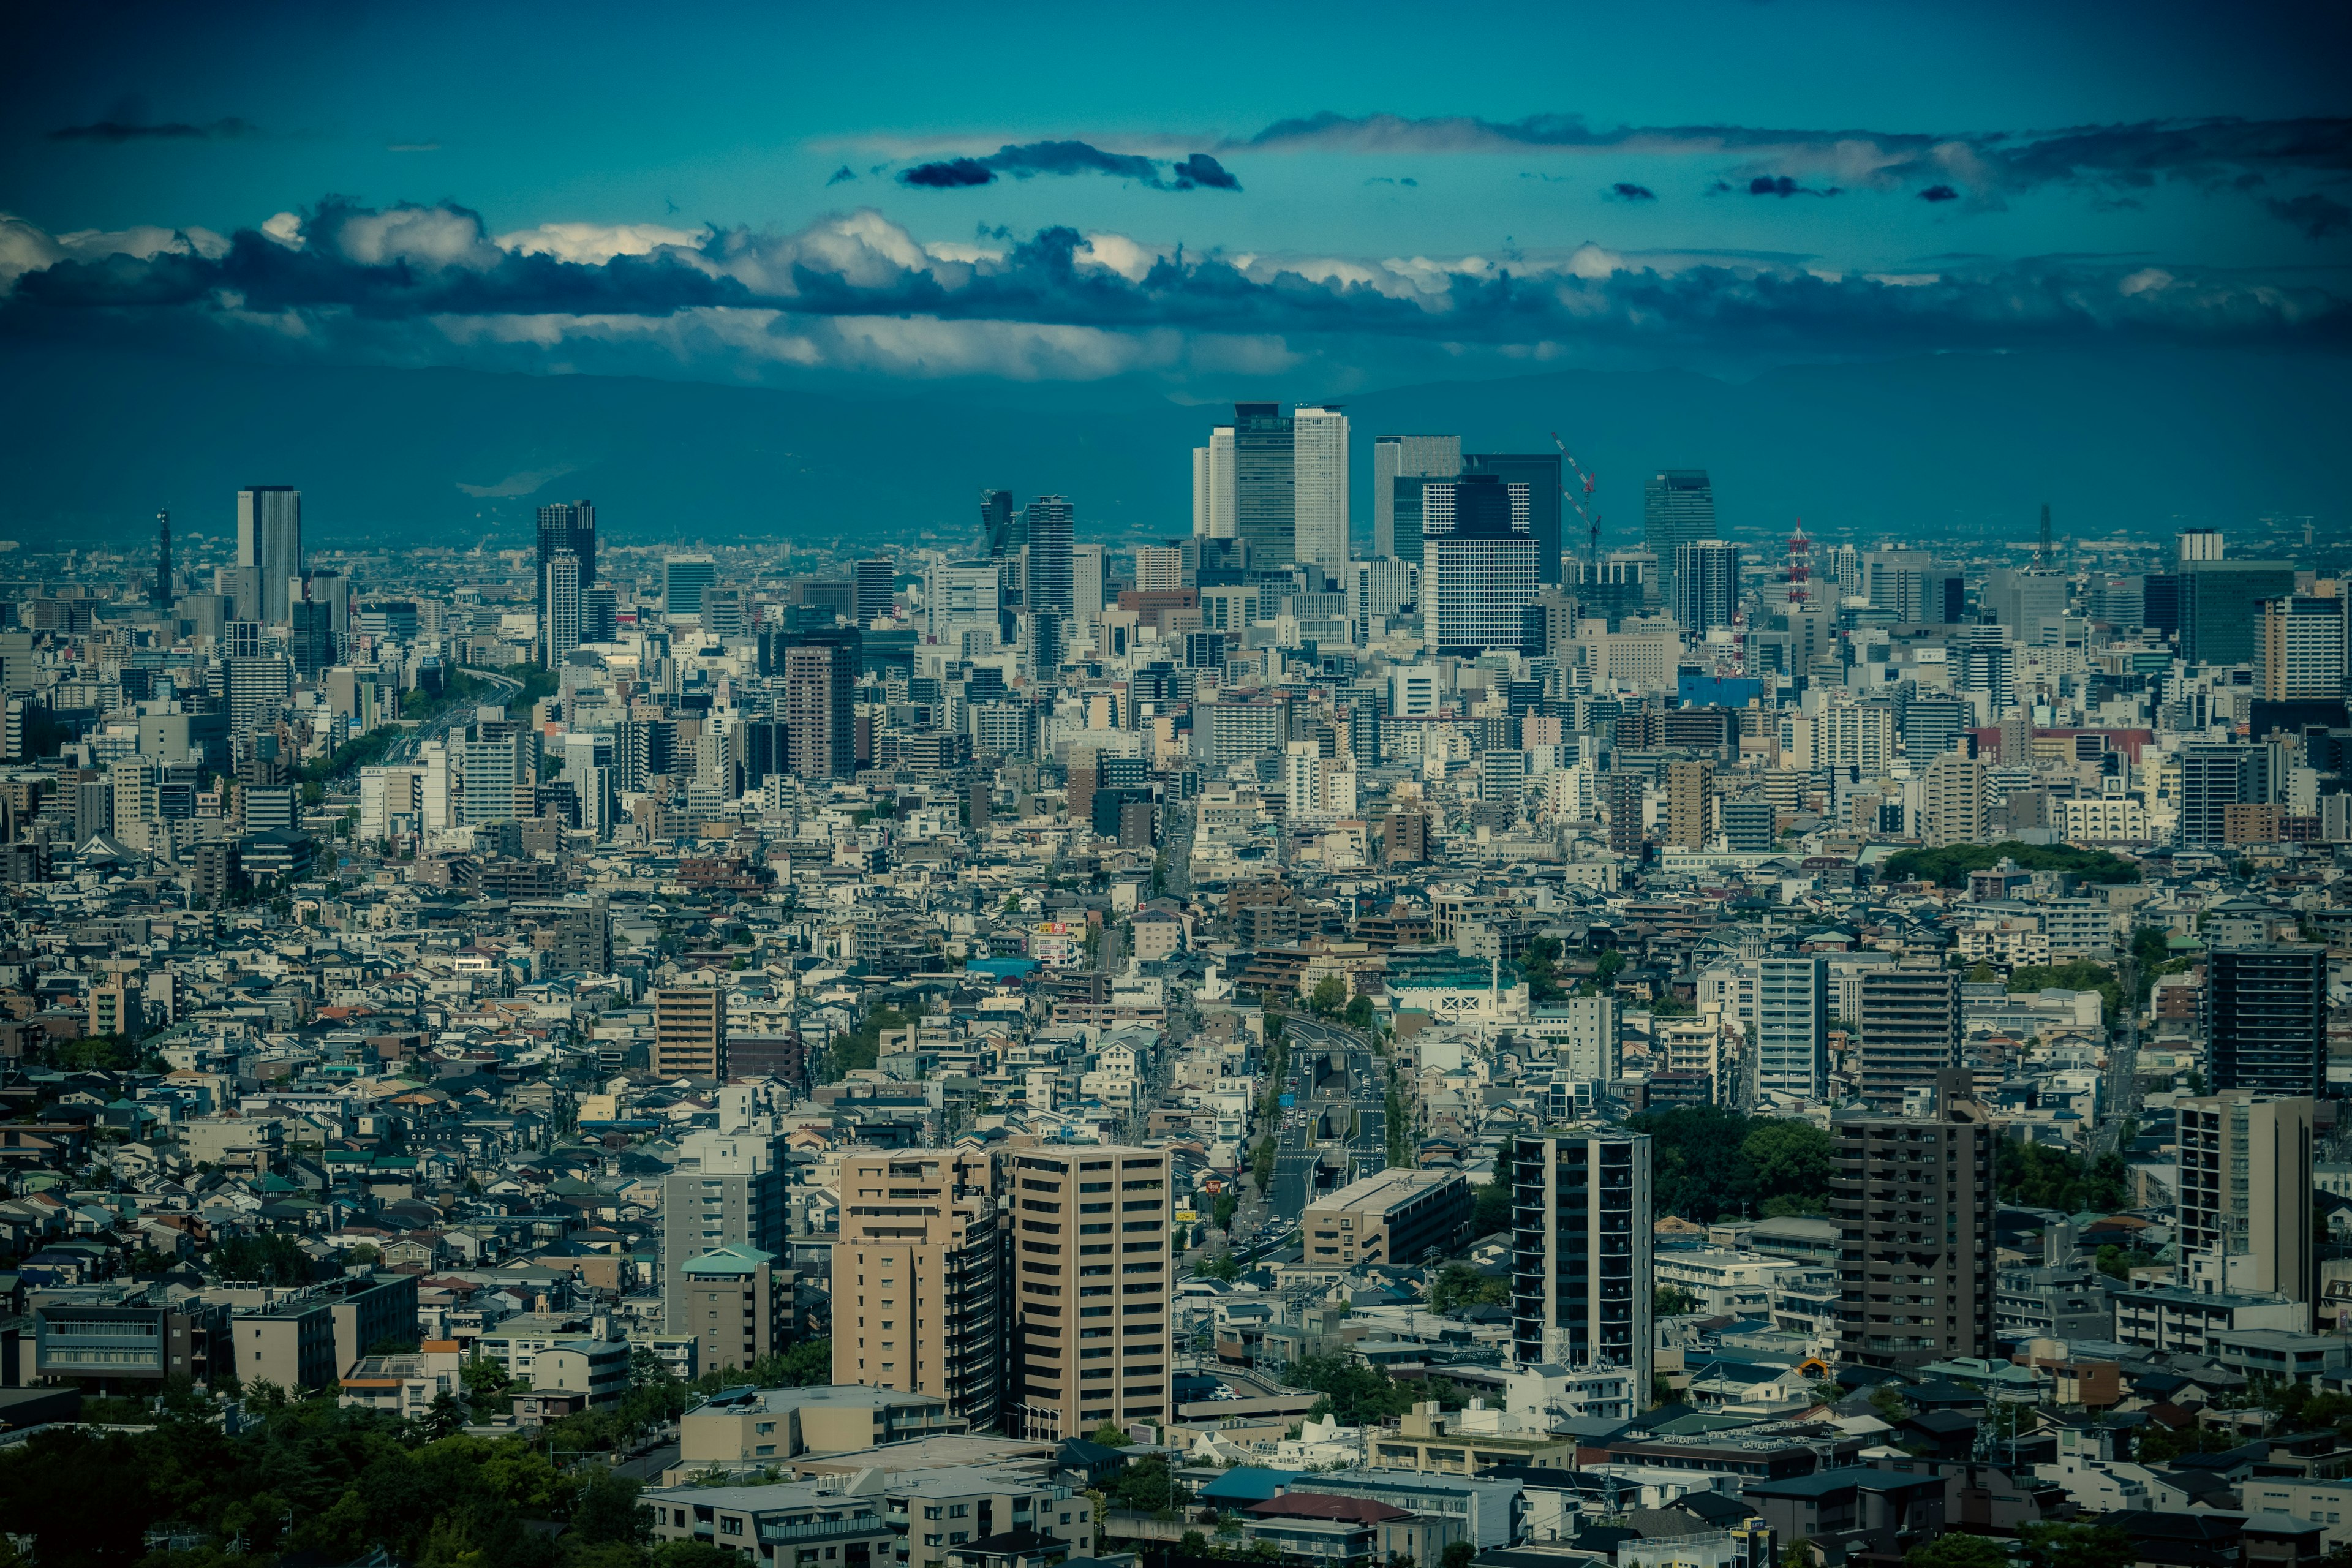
[(1358, 1396), (1359, 1014), (1110, 1434), (1262, 1166), (2075, 1546), (1674, 1301), (1148, 1485), (1461, 1285), (2037, 1176), (1330, 996), (1950, 865), (1539, 964), (1490, 1208), (1956, 1549), (1458, 1555), (1224, 1266), (1888, 1404), (1789, 1159), (1228, 1205)]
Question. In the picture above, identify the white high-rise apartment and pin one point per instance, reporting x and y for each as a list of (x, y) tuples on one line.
[(1159, 568), (1319, 449), (560, 634), (1090, 568), (2302, 649), (1213, 486), (269, 540), (1952, 801), (1792, 1027), (1199, 493)]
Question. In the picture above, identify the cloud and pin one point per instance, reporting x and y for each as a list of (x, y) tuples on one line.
[(519, 484), (414, 284), (412, 147), (1391, 179), (1626, 191), (2318, 216), (1782, 186), (1198, 171), (1939, 193), (843, 177), (116, 131)]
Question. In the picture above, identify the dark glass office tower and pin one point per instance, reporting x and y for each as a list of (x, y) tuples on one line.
[(997, 524), (2266, 1018), (1265, 483), (566, 528), (163, 595), (1539, 471), (1052, 585), (269, 540), (1677, 508)]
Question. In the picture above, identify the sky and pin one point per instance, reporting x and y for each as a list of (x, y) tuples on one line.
[(1334, 199)]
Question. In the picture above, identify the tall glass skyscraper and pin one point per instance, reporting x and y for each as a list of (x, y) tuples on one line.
[(1677, 508), (684, 580), (1319, 490), (1706, 585), (1400, 464), (1264, 483), (1050, 586), (269, 540)]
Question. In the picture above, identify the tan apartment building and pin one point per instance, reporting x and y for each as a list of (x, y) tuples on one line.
[(691, 1033), (1089, 1287), (2246, 1195), (1690, 800), (308, 1340), (1390, 1216), (760, 1426), (737, 1304), (919, 1278)]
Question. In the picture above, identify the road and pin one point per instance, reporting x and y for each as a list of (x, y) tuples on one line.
[(1339, 1107), (649, 1465), (409, 745)]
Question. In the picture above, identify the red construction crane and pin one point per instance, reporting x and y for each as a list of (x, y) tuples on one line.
[(1591, 515)]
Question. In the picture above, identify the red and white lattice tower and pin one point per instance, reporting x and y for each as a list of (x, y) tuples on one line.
[(1800, 565)]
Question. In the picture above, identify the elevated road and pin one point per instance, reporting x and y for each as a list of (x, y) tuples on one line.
[(1336, 1127)]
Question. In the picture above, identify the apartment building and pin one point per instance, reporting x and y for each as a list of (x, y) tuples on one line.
[(1392, 1216), (307, 1339), (1087, 1288), (737, 1303), (691, 1033), (1910, 1026), (920, 1278), (2245, 1203), (726, 1190), (1582, 1250), (761, 1427), (1912, 1198)]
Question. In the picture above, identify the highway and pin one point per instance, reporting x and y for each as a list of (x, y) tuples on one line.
[(1336, 1126), (459, 715)]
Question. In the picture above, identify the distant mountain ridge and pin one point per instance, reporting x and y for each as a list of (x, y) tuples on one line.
[(1955, 445)]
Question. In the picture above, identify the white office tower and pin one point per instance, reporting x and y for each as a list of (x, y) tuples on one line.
[(1792, 1027), (962, 597), (1406, 458), (269, 540), (1089, 571), (1378, 590), (1319, 505), (439, 790), (2199, 543), (1212, 485), (561, 634), (392, 802)]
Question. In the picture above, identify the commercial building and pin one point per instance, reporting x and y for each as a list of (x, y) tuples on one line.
[(307, 1339), (559, 623), (2220, 607), (1264, 483), (873, 584), (566, 528), (686, 579), (1087, 1297), (1538, 472), (920, 1277), (2266, 1018), (1213, 486), (1913, 1200), (1392, 1217), (1319, 493), (1677, 508), (2244, 1210), (737, 1303), (1400, 465), (758, 1427), (269, 545), (127, 1342), (1580, 1255), (1910, 1027), (1478, 573), (1051, 588)]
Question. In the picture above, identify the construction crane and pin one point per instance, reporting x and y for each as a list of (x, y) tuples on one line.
[(1591, 515)]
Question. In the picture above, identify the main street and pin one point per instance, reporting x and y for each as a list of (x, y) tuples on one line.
[(1338, 1107)]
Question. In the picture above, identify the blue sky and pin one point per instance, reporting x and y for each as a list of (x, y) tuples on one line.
[(595, 187)]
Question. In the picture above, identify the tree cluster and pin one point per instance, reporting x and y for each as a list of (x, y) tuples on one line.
[(1950, 866), (1707, 1161), (2036, 1175)]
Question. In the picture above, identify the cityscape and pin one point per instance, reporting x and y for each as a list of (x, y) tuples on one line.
[(1476, 1001)]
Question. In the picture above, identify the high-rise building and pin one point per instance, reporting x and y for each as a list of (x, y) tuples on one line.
[(1399, 465), (1793, 1026), (726, 1190), (1539, 471), (1913, 1200), (1952, 801), (2266, 1018), (1910, 1027), (255, 686), (1706, 585), (737, 1303), (559, 604), (1213, 486), (2246, 1198), (311, 636), (1088, 1318), (566, 528), (583, 938), (2214, 778), (2198, 544), (1159, 569), (2302, 649), (1089, 582), (269, 540), (599, 615), (1479, 574), (819, 671), (2220, 607), (873, 583), (922, 1275), (1677, 508), (496, 764), (690, 1032), (684, 580), (1580, 1253), (2031, 603), (962, 597), (997, 525), (1264, 483), (163, 590), (1690, 804), (1049, 584), (1319, 493)]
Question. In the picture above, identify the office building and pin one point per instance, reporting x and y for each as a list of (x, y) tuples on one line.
[(2213, 778), (1479, 574), (691, 1033), (1089, 582), (1910, 1026), (1319, 493), (2302, 649), (1399, 465), (1677, 508), (1792, 1027), (559, 598), (160, 593), (1264, 483), (1049, 585), (2220, 607), (1690, 804), (2266, 1018), (311, 641), (497, 763), (872, 584), (256, 687), (920, 1277), (1000, 526), (1088, 1321), (268, 544), (1213, 486), (1706, 585), (726, 1190), (1580, 1251), (2197, 544), (1400, 1218), (686, 579), (2244, 1212), (567, 528), (820, 671), (1952, 801), (1913, 1200), (2031, 603), (1539, 472)]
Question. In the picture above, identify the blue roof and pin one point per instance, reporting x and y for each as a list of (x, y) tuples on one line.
[(1248, 1483), (1001, 968)]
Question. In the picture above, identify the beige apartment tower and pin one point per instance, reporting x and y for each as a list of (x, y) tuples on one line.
[(691, 1033), (1690, 797), (1952, 801), (919, 1278), (1087, 1289), (2246, 1195)]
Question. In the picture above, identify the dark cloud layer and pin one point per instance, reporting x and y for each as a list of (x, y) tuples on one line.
[(1197, 172), (2318, 216), (1939, 193), (1782, 186), (1627, 191), (116, 131)]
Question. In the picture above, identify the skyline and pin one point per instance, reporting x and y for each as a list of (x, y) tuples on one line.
[(1732, 187)]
